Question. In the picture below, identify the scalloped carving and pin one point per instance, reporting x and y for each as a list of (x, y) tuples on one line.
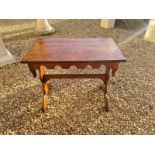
[(70, 65), (110, 66), (74, 70)]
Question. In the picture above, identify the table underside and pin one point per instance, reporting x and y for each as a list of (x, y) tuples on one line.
[(110, 67)]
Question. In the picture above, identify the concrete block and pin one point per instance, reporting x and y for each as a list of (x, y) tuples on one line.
[(43, 27), (5, 55), (150, 32), (107, 23)]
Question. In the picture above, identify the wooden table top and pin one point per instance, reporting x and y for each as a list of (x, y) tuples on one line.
[(74, 50)]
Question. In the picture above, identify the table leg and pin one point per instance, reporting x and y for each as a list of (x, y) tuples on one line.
[(45, 91), (45, 88), (105, 90), (32, 70)]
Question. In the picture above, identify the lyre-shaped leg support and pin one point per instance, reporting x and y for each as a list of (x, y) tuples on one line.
[(113, 67)]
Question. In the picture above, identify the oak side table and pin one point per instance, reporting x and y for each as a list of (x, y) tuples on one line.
[(80, 52)]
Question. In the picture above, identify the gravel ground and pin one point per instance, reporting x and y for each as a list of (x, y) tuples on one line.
[(76, 106)]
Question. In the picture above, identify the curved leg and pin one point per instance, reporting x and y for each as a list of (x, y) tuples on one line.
[(105, 90), (106, 102), (45, 88)]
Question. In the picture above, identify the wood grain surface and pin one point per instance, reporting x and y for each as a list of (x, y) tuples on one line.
[(74, 50)]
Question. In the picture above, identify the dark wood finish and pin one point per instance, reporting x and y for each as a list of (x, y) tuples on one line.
[(65, 52), (74, 50), (73, 76)]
